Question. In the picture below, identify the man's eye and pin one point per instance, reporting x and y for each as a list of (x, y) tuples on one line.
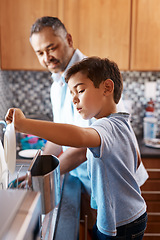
[(40, 53), (52, 49)]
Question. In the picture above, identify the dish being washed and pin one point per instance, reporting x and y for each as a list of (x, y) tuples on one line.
[(3, 169), (10, 147)]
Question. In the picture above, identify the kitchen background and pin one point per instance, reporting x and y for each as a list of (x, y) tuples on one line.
[(126, 31), (131, 39), (30, 90)]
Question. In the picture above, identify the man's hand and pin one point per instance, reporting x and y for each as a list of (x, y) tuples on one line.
[(22, 182)]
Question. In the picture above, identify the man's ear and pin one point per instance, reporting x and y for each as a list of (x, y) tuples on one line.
[(108, 86), (69, 39)]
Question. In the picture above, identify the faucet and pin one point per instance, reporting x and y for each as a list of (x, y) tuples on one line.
[(2, 122)]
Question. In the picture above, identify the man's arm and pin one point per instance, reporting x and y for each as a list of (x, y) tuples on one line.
[(72, 158), (69, 160), (52, 149)]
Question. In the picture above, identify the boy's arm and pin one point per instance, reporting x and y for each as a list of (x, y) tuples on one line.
[(61, 134)]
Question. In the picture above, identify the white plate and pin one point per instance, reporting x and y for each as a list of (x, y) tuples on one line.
[(10, 147), (3, 169), (154, 143), (28, 153)]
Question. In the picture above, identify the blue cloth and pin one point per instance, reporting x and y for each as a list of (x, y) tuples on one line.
[(114, 190)]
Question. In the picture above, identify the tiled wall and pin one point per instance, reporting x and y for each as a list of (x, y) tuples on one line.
[(30, 90), (134, 90)]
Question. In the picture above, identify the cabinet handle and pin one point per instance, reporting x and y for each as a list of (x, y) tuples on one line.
[(85, 226), (85, 221)]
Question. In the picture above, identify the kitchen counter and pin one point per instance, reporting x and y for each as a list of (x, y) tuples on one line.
[(68, 218), (148, 152), (63, 221)]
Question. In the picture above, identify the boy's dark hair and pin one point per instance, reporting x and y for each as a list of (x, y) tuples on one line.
[(47, 21), (98, 70)]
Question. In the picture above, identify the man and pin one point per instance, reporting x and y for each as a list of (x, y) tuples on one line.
[(54, 48)]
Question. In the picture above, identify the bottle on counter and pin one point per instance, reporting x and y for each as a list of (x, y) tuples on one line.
[(150, 121), (150, 108)]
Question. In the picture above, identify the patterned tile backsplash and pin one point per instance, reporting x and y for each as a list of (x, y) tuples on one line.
[(30, 91), (134, 90)]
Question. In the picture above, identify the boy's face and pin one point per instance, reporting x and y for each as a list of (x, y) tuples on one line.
[(88, 100), (53, 51)]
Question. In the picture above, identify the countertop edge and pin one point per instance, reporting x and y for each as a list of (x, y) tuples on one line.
[(67, 224), (147, 152)]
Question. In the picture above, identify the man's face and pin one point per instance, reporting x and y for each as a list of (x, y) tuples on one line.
[(54, 51)]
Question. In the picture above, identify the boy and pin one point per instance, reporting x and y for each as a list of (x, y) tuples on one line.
[(96, 86)]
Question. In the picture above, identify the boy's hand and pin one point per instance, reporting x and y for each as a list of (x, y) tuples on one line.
[(14, 115), (9, 115)]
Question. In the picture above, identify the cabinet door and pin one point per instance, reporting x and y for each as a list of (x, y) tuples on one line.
[(145, 50), (16, 18), (151, 194), (100, 28)]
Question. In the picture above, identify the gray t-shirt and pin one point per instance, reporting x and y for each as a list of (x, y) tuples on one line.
[(112, 167)]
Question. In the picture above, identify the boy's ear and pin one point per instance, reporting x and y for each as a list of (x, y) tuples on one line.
[(108, 86)]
